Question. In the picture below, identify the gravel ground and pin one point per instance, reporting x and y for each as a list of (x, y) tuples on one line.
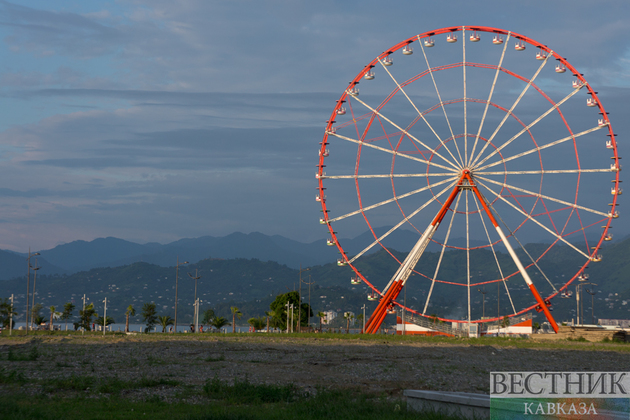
[(383, 366)]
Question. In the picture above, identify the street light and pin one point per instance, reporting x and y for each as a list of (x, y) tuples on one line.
[(483, 302), (176, 281), (28, 281), (578, 288), (593, 293), (35, 269), (300, 299), (196, 277)]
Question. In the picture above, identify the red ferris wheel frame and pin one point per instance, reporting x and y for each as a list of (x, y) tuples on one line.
[(388, 296)]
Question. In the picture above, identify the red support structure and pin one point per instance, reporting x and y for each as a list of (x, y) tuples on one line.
[(378, 316)]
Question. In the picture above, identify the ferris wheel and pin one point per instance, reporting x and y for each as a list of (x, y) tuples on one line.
[(486, 147)]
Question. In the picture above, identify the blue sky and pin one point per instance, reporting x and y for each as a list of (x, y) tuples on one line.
[(157, 120)]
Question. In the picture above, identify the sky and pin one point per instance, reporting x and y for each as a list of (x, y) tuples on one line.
[(155, 120)]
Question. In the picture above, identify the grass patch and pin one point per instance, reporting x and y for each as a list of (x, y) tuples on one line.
[(12, 377), (112, 385), (215, 359), (31, 356), (244, 392), (326, 405)]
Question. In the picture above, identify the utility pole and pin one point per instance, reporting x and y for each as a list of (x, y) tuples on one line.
[(83, 327), (105, 318), (176, 281), (28, 282), (11, 316), (35, 269)]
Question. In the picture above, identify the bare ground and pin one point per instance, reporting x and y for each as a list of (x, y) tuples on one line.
[(383, 366)]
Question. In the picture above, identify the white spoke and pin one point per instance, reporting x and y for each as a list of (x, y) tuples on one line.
[(536, 149), (373, 206), (494, 82), (392, 152), (407, 134), (507, 115), (468, 253), (543, 171), (465, 99), (494, 252), (441, 103), (421, 116), (386, 176), (403, 221), (545, 197), (437, 268), (555, 235), (536, 121), (525, 250)]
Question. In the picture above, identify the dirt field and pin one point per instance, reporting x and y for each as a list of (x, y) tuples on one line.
[(388, 365)]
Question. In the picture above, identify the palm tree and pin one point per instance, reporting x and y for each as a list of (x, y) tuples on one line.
[(68, 307), (165, 321), (269, 314), (321, 316), (129, 312), (219, 322), (53, 314), (348, 317), (236, 313)]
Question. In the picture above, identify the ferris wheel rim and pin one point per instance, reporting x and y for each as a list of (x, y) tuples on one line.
[(379, 60)]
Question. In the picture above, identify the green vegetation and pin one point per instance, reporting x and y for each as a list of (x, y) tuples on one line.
[(149, 316), (6, 310), (165, 321), (68, 308), (129, 312), (268, 402), (86, 315), (31, 356)]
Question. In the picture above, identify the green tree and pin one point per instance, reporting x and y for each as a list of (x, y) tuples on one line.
[(53, 315), (6, 309), (36, 317), (505, 322), (149, 316), (278, 306), (129, 312), (236, 313), (257, 323), (68, 308), (219, 322), (165, 321), (86, 315), (207, 316), (321, 316)]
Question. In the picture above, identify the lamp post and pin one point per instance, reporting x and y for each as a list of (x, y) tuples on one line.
[(288, 305), (593, 293), (195, 278), (105, 317), (35, 269), (578, 289), (363, 307), (176, 281), (300, 299), (28, 281), (483, 303), (11, 316)]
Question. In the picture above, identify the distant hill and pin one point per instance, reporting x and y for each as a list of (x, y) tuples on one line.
[(113, 252), (252, 284)]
